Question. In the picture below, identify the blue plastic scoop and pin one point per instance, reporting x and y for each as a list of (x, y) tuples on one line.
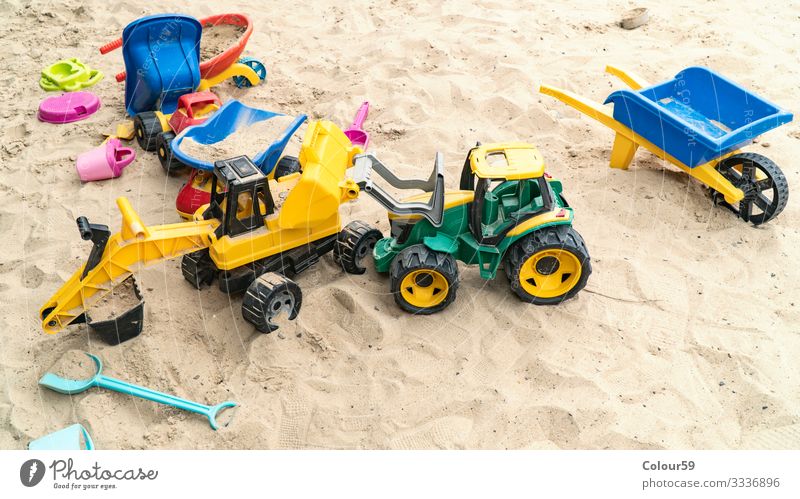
[(73, 386)]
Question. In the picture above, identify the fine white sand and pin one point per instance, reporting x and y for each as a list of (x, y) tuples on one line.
[(685, 337)]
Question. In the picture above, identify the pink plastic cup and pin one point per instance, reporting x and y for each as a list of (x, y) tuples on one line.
[(104, 162)]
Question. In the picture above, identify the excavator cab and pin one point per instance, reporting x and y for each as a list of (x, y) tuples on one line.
[(243, 199)]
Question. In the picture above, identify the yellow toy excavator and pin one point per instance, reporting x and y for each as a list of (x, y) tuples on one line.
[(252, 235)]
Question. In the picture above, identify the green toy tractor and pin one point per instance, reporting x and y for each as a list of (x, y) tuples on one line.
[(507, 211)]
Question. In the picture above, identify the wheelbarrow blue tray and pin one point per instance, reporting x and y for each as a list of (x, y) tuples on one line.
[(162, 61), (73, 437), (232, 116), (697, 116)]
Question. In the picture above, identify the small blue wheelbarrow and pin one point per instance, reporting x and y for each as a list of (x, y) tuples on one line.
[(698, 121)]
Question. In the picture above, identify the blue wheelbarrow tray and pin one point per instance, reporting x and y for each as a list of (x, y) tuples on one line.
[(697, 116), (162, 61), (232, 116)]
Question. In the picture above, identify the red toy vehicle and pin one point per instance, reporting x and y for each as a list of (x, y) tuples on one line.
[(193, 109), (195, 193), (197, 190)]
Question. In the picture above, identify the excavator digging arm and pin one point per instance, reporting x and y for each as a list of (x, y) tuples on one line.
[(114, 258)]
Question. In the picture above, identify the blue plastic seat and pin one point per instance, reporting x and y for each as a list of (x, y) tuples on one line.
[(162, 61)]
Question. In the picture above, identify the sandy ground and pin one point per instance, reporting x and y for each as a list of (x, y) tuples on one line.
[(686, 336)]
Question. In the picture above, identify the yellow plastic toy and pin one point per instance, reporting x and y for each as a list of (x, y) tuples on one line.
[(507, 212), (251, 235), (704, 143)]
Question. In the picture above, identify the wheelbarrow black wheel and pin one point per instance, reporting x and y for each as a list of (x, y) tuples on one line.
[(198, 268), (169, 163), (354, 244), (147, 127), (765, 188), (268, 297), (548, 265), (423, 281), (286, 166)]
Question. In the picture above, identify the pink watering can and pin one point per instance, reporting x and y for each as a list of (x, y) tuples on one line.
[(356, 133), (106, 161)]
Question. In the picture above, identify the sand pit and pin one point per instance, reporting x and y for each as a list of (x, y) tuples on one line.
[(246, 141), (683, 295)]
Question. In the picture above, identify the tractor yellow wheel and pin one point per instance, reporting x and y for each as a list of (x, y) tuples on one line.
[(424, 288), (423, 281), (548, 265), (549, 273)]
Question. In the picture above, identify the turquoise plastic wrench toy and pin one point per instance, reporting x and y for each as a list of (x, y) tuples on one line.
[(73, 386)]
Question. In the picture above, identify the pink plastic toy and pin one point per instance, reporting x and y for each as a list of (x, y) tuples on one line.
[(356, 133), (69, 107), (106, 161)]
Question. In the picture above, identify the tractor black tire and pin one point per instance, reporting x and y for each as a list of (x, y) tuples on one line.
[(754, 190), (147, 127), (169, 163), (559, 239), (269, 296), (286, 166), (198, 268), (355, 243), (418, 268)]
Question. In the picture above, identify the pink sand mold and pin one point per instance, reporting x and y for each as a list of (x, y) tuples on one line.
[(104, 162), (69, 107)]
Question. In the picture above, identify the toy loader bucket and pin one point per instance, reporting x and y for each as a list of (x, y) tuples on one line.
[(325, 156), (433, 210)]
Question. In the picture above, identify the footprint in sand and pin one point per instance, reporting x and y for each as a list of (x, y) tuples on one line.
[(32, 276), (295, 419), (443, 433), (559, 426), (343, 311)]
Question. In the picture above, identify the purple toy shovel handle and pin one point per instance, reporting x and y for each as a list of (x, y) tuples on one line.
[(356, 133)]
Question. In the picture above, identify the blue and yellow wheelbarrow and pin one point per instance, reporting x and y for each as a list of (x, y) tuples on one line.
[(698, 121)]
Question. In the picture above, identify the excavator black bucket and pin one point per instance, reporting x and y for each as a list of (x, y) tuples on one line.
[(122, 326)]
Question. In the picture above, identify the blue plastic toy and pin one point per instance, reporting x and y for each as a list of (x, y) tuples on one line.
[(698, 121), (697, 116), (162, 61), (255, 65), (71, 387), (73, 437), (232, 116)]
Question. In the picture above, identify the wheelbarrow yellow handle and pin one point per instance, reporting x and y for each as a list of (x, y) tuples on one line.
[(588, 107), (630, 78)]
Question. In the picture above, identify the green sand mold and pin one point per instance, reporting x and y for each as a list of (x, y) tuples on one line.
[(69, 75)]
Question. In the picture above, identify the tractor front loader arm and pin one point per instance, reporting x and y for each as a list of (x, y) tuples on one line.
[(115, 257), (433, 209)]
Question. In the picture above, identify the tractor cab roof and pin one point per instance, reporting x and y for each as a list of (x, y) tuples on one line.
[(507, 160), (238, 171)]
